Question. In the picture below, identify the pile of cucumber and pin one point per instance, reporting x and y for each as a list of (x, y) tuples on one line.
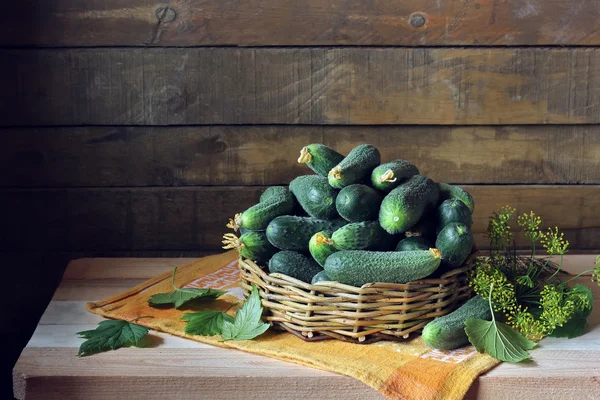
[(357, 221)]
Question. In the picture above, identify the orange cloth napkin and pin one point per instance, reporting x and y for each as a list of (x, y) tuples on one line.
[(398, 370)]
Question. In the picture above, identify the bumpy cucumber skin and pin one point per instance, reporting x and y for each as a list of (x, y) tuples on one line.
[(294, 264), (273, 192), (453, 210), (277, 202), (320, 277), (323, 158), (315, 195), (448, 332), (402, 169), (356, 203), (356, 167), (289, 232), (455, 242), (256, 247), (413, 243), (402, 208), (358, 267), (358, 236), (448, 191), (320, 251)]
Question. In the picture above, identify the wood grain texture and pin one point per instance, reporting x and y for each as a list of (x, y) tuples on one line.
[(300, 86), (310, 22), (194, 218), (244, 155)]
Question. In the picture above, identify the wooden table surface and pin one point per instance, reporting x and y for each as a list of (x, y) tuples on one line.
[(172, 367)]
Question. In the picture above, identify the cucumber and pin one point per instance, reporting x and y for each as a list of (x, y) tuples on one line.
[(289, 232), (402, 208), (413, 243), (315, 196), (356, 203), (276, 202), (294, 264), (448, 332), (389, 175), (448, 191), (321, 246), (356, 167), (319, 158), (246, 230), (358, 267), (455, 242), (453, 210), (358, 236), (426, 227), (252, 245), (319, 277)]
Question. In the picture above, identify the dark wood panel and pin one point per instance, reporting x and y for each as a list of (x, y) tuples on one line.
[(194, 218), (309, 22), (300, 86), (266, 155)]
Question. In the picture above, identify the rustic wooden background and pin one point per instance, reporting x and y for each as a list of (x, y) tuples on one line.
[(137, 127)]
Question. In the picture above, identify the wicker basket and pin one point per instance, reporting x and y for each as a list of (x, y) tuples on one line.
[(375, 311)]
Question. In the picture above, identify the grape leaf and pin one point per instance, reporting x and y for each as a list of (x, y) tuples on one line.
[(205, 323), (498, 340), (179, 296), (247, 324), (110, 334)]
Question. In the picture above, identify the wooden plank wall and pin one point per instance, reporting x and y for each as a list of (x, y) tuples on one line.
[(132, 126)]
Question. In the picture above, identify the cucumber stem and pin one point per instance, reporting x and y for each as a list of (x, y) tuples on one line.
[(336, 173), (436, 253), (305, 156), (388, 176), (411, 234), (236, 222), (232, 242), (321, 239)]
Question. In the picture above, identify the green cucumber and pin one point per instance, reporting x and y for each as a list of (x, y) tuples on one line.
[(321, 246), (319, 158), (315, 195), (294, 264), (320, 277), (358, 202), (402, 208), (389, 175), (358, 267), (453, 210), (358, 236), (413, 243), (276, 202), (289, 232), (356, 167), (455, 242), (448, 191), (448, 332), (426, 227), (252, 245)]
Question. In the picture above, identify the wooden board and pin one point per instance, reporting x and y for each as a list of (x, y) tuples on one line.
[(49, 368), (300, 86), (311, 22), (245, 155), (194, 218)]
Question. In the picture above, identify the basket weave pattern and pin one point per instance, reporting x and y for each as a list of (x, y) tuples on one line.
[(375, 311)]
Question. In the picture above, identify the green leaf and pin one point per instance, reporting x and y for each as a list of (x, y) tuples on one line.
[(179, 296), (247, 324), (584, 292), (498, 340), (573, 328), (110, 334), (205, 323)]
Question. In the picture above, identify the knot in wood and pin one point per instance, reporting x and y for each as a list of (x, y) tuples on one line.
[(417, 20), (165, 14)]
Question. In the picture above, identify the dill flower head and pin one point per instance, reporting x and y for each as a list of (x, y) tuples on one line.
[(523, 321), (525, 280), (557, 308), (530, 224), (498, 227), (596, 271), (554, 243), (503, 292)]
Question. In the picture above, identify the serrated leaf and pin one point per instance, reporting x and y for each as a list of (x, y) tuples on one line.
[(110, 335), (573, 328), (498, 340), (180, 296), (247, 324), (205, 323)]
